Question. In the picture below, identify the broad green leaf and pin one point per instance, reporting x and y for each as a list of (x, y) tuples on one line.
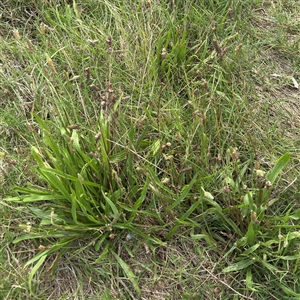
[(130, 275), (56, 183), (185, 191), (74, 206), (112, 205), (277, 169), (269, 243), (289, 257), (213, 203), (249, 281), (117, 157), (158, 183), (243, 264), (183, 217), (54, 234), (138, 232), (41, 122), (290, 292), (59, 173), (37, 257), (102, 255), (75, 140), (47, 216), (293, 235), (14, 199), (38, 157), (155, 148), (270, 267), (34, 270), (251, 249), (271, 177), (35, 198), (100, 242), (62, 243), (31, 191), (210, 241), (141, 199), (216, 210), (28, 236), (251, 234)]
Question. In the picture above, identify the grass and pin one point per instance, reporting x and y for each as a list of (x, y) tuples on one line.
[(149, 150)]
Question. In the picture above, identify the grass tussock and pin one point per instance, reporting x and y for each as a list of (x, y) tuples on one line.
[(149, 150)]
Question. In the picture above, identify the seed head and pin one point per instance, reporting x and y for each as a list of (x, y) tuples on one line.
[(163, 53), (199, 74), (230, 12), (51, 65), (30, 46), (93, 42), (235, 154), (43, 28), (215, 28), (226, 188), (268, 184), (205, 84), (98, 136), (16, 34), (109, 43), (88, 73), (74, 126), (238, 48), (94, 154), (260, 173), (217, 46), (165, 180)]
